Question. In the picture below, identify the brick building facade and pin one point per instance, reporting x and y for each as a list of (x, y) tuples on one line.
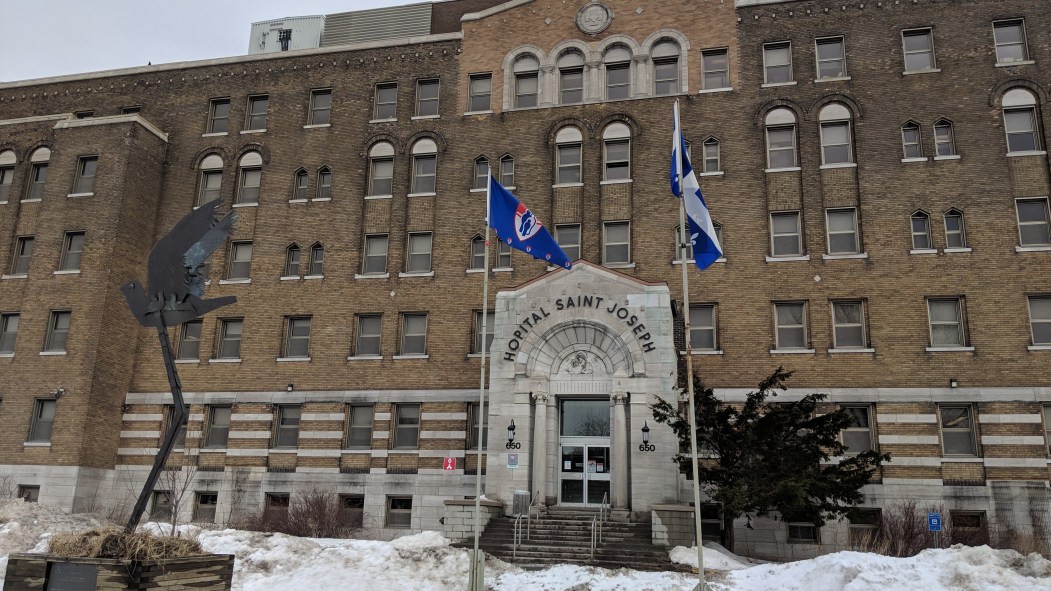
[(878, 172)]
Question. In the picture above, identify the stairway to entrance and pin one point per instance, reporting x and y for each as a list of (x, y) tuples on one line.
[(563, 536)]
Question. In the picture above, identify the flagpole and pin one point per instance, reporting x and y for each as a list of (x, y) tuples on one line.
[(476, 580), (701, 585)]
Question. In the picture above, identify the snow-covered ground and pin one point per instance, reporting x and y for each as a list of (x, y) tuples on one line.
[(426, 562)]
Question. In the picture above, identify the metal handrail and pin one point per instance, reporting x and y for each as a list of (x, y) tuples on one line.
[(517, 539), (602, 512), (594, 521), (529, 515)]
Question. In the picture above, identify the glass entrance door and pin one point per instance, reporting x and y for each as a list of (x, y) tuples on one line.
[(584, 474)]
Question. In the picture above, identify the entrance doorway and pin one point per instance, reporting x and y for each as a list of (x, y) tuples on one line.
[(584, 452)]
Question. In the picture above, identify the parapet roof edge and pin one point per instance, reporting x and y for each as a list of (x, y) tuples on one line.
[(474, 16), (235, 60), (744, 3)]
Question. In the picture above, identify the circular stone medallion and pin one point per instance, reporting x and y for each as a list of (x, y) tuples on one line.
[(594, 18)]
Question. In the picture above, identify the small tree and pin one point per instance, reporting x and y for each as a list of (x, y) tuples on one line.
[(767, 456)]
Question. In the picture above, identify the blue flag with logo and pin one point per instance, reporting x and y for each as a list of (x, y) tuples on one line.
[(699, 226), (517, 227)]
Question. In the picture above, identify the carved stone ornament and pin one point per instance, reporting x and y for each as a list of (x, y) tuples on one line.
[(594, 18), (582, 363)]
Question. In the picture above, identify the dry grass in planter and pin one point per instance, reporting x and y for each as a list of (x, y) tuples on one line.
[(115, 543)]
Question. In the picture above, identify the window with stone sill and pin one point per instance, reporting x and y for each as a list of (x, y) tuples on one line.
[(910, 141), (359, 430), (857, 436), (1034, 222), (367, 341), (702, 328), (848, 323), (57, 331), (375, 260), (785, 235), (1010, 40), (919, 50), (320, 107), (386, 101), (219, 115), (946, 322), (23, 255), (483, 333), (831, 58), (256, 116), (954, 232), (84, 182), (427, 98), (571, 78), (617, 64), (920, 223), (324, 183), (715, 66), (72, 250), (791, 330), (414, 334), (301, 186), (1040, 319), (480, 93), (297, 337), (568, 238), (8, 332), (777, 63), (230, 331), (665, 57), (317, 260), (481, 173), (526, 71)]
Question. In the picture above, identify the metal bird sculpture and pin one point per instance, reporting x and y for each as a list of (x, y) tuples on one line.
[(174, 268), (173, 296)]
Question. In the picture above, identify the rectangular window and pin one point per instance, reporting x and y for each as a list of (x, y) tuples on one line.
[(1021, 129), (481, 173), (910, 141), (324, 184), (275, 508), (568, 238), (352, 510), (248, 189), (386, 101), (863, 532), (618, 160), (842, 231), (507, 171), (297, 337), (211, 183), (831, 58), (954, 237), (919, 50), (43, 421), (418, 259), (72, 249), (286, 429), (716, 69), (702, 328), (240, 261), (320, 107), (23, 255), (83, 114), (375, 254), (781, 147), (317, 260), (37, 181), (857, 437), (219, 115), (477, 253), (381, 176), (958, 430), (257, 106), (204, 507), (1047, 425), (292, 255), (921, 232), (777, 63), (666, 75), (483, 332), (368, 338), (944, 145), (180, 433), (57, 331), (689, 245), (1039, 318), (414, 334), (785, 234), (1010, 41), (190, 340), (568, 163), (710, 161), (7, 176), (359, 430), (571, 85), (427, 98), (481, 92), (230, 332), (217, 429), (424, 170), (29, 493), (84, 182), (848, 323), (399, 512), (835, 143), (503, 255), (161, 506), (8, 333), (616, 242), (618, 81), (802, 533), (791, 325), (946, 320), (527, 86), (1034, 224), (472, 437), (406, 426)]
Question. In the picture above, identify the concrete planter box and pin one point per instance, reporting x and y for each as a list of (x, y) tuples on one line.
[(45, 572)]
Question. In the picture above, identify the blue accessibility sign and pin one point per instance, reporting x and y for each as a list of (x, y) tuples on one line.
[(934, 521)]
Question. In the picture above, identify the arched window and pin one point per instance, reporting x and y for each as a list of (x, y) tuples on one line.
[(910, 140), (481, 172), (665, 56), (616, 153), (381, 170), (712, 158), (38, 173), (571, 78), (8, 159), (424, 166), (292, 261), (507, 170), (477, 253), (317, 260), (1020, 122), (617, 61), (527, 81), (250, 175), (567, 155), (211, 179), (781, 139), (944, 142), (299, 191), (835, 134), (324, 184), (954, 234), (921, 231)]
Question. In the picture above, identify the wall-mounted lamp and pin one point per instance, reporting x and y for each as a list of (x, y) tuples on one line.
[(290, 387), (645, 445), (953, 383), (511, 443), (59, 393)]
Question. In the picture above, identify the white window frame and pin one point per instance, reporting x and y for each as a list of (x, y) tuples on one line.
[(317, 260), (959, 323), (406, 319), (971, 430), (830, 233), (857, 431), (526, 67), (383, 109), (295, 339), (228, 340), (949, 233), (573, 247), (240, 265), (190, 337), (798, 233), (361, 337), (711, 164), (842, 59), (1039, 320), (926, 234), (507, 170), (427, 106), (722, 72), (944, 139), (917, 146), (666, 60), (57, 338), (613, 61), (700, 325), (1046, 223), (571, 64), (424, 181), (780, 345), (616, 169), (72, 252), (320, 115), (768, 67), (324, 184), (403, 428), (1024, 43), (906, 53), (366, 256), (87, 169), (606, 244), (415, 255), (254, 119), (474, 99), (837, 342)]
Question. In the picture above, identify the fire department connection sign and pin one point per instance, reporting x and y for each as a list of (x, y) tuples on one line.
[(449, 464)]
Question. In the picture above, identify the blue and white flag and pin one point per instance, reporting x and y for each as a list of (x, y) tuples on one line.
[(517, 227), (706, 248)]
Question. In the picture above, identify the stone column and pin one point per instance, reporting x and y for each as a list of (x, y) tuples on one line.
[(594, 82), (621, 440), (538, 461)]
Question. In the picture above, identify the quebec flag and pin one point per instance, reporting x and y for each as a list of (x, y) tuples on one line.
[(706, 248), (517, 227)]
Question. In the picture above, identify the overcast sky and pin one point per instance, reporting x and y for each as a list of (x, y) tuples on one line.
[(55, 37)]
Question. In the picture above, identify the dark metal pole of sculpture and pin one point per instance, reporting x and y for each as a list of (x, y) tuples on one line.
[(174, 297)]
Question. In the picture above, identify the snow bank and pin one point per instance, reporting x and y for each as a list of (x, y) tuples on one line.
[(26, 527), (715, 557)]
